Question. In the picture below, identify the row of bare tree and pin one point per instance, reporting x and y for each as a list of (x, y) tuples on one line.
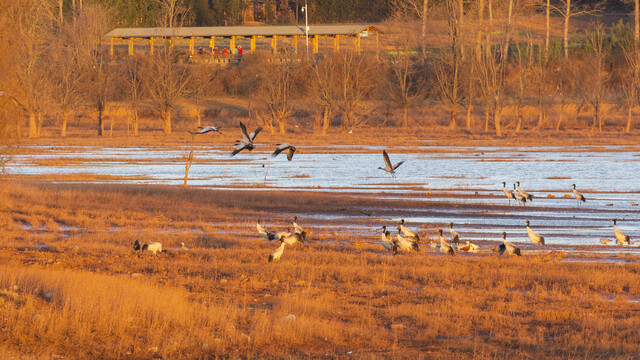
[(55, 67)]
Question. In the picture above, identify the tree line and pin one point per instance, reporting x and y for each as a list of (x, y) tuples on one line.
[(482, 63)]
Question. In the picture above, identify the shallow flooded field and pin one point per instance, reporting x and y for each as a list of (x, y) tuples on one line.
[(462, 185)]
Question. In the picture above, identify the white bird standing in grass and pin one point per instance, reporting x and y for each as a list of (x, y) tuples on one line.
[(387, 241), (293, 238), (184, 247), (407, 243), (297, 228), (470, 247), (206, 129), (153, 247), (518, 196), (455, 238), (388, 167), (264, 233), (282, 147), (508, 247), (507, 193), (407, 232), (444, 246), (621, 238), (534, 236), (578, 195), (524, 193), (277, 253)]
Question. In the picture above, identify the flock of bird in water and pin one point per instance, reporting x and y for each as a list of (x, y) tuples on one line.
[(406, 240)]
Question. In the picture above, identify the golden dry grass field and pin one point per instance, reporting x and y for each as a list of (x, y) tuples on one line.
[(71, 286)]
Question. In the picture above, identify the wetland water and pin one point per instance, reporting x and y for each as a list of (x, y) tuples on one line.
[(468, 178)]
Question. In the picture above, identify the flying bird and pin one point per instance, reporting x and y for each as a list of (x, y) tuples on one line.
[(387, 164), (247, 139), (282, 147), (206, 129), (277, 253), (264, 233)]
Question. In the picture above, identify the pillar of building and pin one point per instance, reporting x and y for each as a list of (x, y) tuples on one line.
[(111, 47), (212, 43), (316, 39), (253, 44), (130, 46), (336, 43), (151, 46)]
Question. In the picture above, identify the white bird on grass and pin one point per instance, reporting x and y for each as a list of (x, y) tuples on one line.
[(407, 232), (407, 243), (444, 246), (388, 167), (508, 247), (153, 247), (264, 233), (455, 237), (387, 241), (277, 253), (282, 147), (534, 236), (470, 247), (247, 139), (297, 228)]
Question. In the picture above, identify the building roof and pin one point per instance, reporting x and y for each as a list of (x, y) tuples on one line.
[(228, 31)]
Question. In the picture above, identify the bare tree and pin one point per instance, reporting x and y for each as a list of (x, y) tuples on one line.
[(173, 13), (447, 74), (419, 9), (201, 77), (188, 158), (324, 78), (524, 67), (166, 83), (135, 67), (278, 97), (353, 84), (90, 24), (568, 9), (595, 76), (32, 21), (401, 83), (492, 84), (631, 80)]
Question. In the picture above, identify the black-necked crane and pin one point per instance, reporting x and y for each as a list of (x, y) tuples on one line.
[(297, 228), (277, 253), (407, 243), (508, 247), (137, 247), (408, 232), (206, 129), (247, 139), (444, 246), (621, 238), (153, 247), (264, 233), (184, 247), (507, 193), (387, 241), (604, 241), (292, 238), (534, 236), (388, 167), (579, 197), (524, 193), (518, 196), (282, 147), (455, 237), (470, 247), (279, 235)]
